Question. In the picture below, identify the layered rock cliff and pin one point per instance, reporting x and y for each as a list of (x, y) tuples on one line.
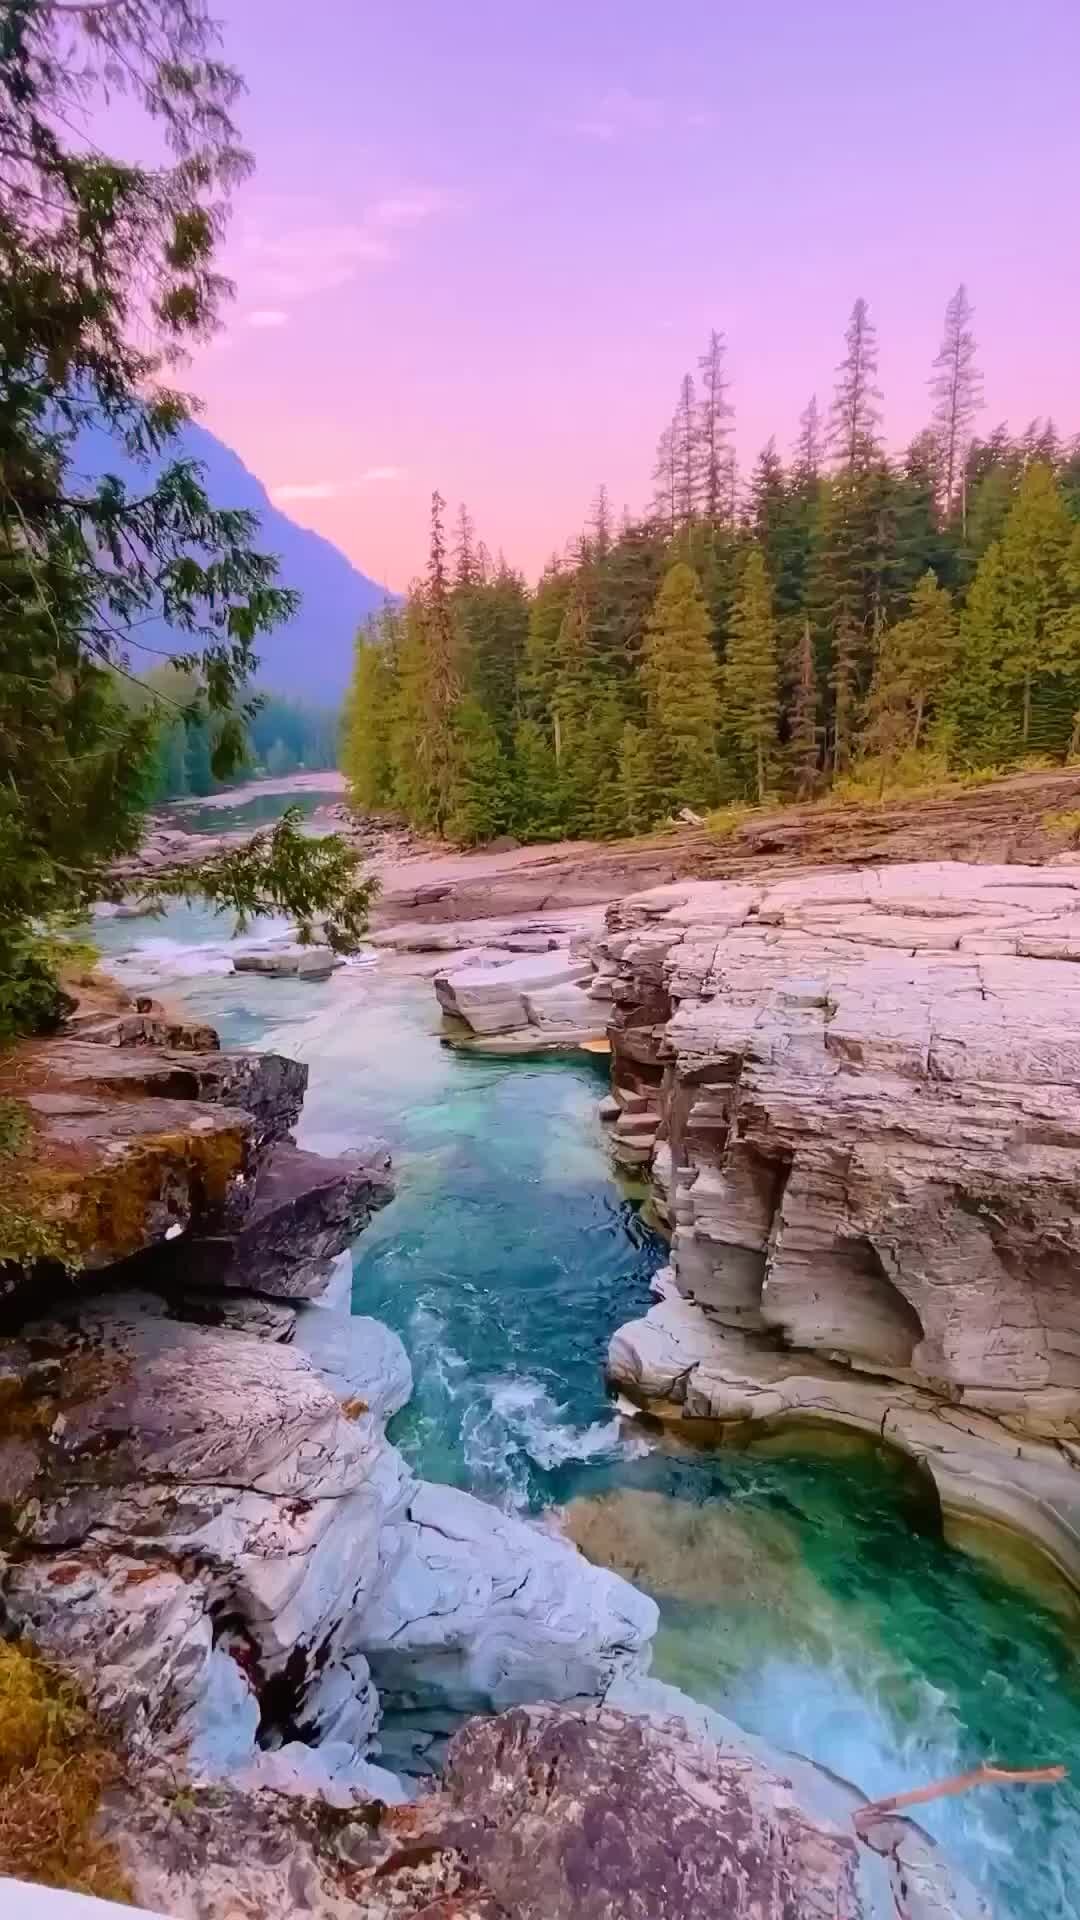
[(858, 1098)]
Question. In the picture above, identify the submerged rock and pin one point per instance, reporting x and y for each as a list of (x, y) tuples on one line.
[(305, 963)]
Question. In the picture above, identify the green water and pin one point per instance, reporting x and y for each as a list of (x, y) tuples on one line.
[(257, 810), (809, 1599)]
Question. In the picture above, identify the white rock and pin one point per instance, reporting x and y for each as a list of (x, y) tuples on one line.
[(480, 1611), (490, 998)]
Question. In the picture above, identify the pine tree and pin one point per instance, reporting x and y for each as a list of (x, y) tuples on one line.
[(600, 759), (480, 801), (536, 799), (686, 455), (492, 619), (664, 506), (974, 724), (803, 743), (466, 567), (715, 434), (810, 446), (540, 667), (636, 778), (368, 734), (768, 495), (600, 523), (1034, 589), (887, 722), (623, 586), (856, 417), (680, 680), (849, 590), (750, 677), (915, 662), (956, 385), (441, 688)]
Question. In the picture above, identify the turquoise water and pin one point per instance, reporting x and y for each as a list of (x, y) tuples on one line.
[(809, 1598), (258, 810)]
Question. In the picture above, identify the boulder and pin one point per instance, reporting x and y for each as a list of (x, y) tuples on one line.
[(114, 1177), (304, 963), (491, 997), (306, 1210), (479, 1610)]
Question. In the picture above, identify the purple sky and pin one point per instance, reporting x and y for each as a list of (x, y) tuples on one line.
[(485, 239)]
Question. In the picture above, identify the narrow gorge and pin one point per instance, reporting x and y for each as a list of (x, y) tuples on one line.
[(664, 1598)]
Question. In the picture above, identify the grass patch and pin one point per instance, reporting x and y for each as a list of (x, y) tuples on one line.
[(1067, 824), (723, 822), (15, 1128), (54, 1767)]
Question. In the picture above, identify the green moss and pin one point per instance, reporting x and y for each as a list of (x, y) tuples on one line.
[(54, 1767)]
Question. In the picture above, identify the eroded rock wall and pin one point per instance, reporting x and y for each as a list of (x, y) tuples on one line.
[(859, 1097)]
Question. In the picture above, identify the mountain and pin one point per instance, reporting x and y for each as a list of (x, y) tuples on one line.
[(312, 655)]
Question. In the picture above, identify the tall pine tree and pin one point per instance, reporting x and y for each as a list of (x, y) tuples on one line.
[(956, 385), (750, 677), (680, 679), (716, 434)]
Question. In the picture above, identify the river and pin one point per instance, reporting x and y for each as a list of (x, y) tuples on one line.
[(809, 1597)]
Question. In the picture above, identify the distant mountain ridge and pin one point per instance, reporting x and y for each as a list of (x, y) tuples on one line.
[(312, 655)]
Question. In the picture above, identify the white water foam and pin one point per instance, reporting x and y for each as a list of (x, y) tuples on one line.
[(510, 1423)]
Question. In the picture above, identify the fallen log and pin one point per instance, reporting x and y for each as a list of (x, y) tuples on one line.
[(984, 1776)]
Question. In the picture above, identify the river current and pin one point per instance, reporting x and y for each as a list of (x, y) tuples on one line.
[(811, 1598)]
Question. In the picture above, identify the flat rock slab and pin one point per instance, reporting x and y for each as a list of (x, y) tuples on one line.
[(111, 1178), (268, 1086), (491, 996)]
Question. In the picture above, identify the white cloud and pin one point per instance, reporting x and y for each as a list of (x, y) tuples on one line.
[(267, 317), (333, 489), (408, 209), (290, 249), (619, 114), (306, 490)]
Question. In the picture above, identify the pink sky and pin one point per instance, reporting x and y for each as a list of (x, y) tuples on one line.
[(486, 239)]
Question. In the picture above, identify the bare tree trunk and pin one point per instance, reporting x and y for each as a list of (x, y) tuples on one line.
[(919, 706), (1027, 706)]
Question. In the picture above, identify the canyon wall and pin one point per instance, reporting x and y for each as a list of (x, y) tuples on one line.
[(857, 1098)]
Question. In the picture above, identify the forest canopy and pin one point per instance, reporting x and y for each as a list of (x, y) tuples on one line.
[(844, 613)]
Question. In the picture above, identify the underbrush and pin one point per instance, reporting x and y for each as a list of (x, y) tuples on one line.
[(915, 775), (54, 1767), (1067, 824), (722, 822)]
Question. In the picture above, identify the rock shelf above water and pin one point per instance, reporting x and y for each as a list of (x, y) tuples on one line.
[(858, 1095)]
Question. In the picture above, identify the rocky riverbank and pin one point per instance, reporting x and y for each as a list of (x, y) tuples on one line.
[(857, 1099), (205, 1524)]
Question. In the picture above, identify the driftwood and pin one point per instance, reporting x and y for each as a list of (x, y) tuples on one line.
[(984, 1776)]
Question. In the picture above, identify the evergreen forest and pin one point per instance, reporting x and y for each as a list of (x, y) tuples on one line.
[(840, 618)]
